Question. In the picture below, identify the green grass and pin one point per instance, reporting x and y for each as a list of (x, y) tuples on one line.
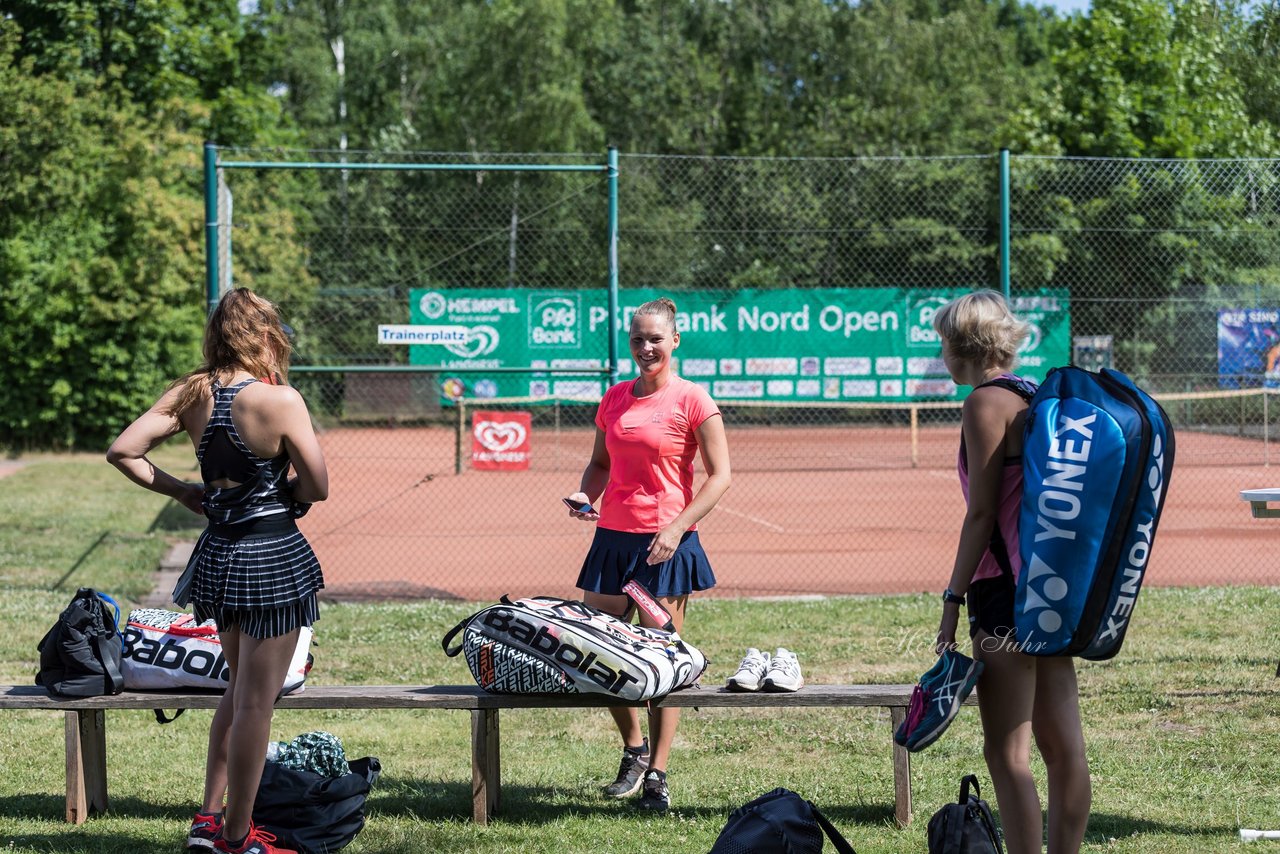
[(1181, 728)]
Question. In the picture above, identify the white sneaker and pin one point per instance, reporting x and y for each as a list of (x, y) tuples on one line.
[(784, 672), (751, 671)]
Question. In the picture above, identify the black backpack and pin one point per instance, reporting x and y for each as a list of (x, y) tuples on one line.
[(310, 812), (965, 827), (780, 822), (80, 655)]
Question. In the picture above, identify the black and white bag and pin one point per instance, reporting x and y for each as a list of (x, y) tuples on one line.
[(80, 654), (169, 649), (546, 645), (965, 827)]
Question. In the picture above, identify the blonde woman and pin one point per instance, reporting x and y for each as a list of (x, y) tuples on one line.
[(252, 570), (1019, 696), (647, 433)]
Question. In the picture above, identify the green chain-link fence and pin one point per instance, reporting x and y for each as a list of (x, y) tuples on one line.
[(805, 288)]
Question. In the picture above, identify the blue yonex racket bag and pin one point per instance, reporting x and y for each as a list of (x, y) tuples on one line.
[(1097, 455)]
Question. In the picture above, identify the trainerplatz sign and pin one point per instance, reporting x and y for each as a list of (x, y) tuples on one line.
[(832, 344)]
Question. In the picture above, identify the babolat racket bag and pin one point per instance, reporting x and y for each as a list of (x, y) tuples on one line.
[(1097, 455), (545, 645)]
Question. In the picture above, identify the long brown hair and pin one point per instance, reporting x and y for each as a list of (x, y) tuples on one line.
[(233, 341)]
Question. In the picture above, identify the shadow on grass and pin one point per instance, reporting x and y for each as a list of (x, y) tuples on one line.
[(406, 798), (54, 808), (536, 805), (1120, 826), (173, 518)]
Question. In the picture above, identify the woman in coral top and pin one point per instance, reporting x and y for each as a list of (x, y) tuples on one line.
[(647, 432)]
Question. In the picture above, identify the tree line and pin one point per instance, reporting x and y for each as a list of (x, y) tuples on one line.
[(104, 106)]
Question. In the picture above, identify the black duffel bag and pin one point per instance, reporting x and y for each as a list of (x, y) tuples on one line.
[(310, 812), (80, 656)]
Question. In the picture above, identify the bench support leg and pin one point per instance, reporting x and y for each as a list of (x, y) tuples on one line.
[(901, 771), (486, 765), (86, 737)]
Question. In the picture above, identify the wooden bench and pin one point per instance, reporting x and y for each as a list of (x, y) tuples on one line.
[(86, 746)]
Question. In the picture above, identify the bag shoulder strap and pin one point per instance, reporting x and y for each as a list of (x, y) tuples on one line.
[(451, 634), (989, 821), (110, 665), (842, 845), (1022, 388)]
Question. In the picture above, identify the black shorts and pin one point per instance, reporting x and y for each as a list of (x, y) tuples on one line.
[(991, 607)]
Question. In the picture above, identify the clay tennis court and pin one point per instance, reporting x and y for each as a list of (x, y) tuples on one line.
[(811, 511)]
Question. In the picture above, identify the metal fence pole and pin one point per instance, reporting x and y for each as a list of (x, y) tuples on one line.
[(211, 225), (613, 264), (1004, 222)]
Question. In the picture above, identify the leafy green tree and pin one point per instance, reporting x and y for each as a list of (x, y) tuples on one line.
[(154, 52), (1146, 78), (100, 252)]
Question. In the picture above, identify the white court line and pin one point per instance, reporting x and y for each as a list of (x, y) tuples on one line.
[(750, 518)]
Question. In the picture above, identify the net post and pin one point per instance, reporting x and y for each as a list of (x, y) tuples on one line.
[(915, 436), (461, 409)]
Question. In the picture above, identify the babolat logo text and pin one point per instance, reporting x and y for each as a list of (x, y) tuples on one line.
[(1140, 552), (172, 656), (541, 641), (1057, 509)]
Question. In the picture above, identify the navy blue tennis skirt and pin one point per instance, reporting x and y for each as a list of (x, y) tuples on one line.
[(616, 557)]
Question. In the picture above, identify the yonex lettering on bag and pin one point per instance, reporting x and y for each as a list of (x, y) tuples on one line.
[(545, 645), (1097, 455), (168, 649)]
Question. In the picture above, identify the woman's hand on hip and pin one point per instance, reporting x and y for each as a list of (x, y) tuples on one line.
[(192, 497)]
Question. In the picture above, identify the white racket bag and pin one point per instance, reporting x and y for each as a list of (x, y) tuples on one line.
[(546, 645), (169, 649)]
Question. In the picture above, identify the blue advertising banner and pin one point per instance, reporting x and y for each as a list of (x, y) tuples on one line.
[(1249, 348)]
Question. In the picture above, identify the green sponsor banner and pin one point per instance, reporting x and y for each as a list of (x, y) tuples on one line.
[(820, 344)]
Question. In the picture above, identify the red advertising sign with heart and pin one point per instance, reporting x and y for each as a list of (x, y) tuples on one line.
[(500, 440)]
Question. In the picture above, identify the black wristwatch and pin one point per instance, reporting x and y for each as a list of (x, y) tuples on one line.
[(948, 596)]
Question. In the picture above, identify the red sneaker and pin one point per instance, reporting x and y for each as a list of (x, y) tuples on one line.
[(257, 842), (205, 828)]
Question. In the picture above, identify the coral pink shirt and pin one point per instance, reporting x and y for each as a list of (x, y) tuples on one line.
[(651, 446)]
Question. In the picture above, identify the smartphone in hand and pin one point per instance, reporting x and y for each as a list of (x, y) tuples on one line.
[(580, 506)]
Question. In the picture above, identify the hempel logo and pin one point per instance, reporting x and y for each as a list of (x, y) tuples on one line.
[(432, 305)]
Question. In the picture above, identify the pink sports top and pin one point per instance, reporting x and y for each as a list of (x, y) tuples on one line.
[(651, 446), (1010, 497)]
